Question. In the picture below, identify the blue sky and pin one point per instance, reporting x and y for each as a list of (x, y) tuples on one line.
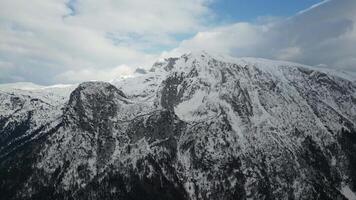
[(69, 41), (250, 10), (233, 11)]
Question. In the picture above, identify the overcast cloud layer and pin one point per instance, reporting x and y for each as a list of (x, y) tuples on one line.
[(61, 41)]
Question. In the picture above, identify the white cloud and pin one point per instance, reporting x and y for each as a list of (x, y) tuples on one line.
[(324, 33), (288, 53), (69, 41), (43, 39), (94, 74), (140, 16), (239, 36)]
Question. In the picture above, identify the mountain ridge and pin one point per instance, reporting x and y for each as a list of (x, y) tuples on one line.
[(194, 127)]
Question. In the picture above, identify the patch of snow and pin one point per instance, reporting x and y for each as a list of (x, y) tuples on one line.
[(186, 109), (348, 193)]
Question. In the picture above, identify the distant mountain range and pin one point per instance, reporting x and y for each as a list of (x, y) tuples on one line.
[(195, 127)]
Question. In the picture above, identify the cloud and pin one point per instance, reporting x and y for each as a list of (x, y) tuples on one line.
[(94, 74), (139, 16), (68, 41), (43, 40), (323, 34)]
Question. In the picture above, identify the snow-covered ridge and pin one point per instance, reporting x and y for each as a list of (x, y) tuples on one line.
[(161, 67), (267, 64), (196, 127)]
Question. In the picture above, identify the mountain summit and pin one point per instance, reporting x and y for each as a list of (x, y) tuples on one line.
[(194, 127)]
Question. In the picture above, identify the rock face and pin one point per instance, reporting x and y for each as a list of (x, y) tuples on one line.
[(194, 127)]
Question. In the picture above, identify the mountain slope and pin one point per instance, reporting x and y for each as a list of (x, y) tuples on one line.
[(194, 127)]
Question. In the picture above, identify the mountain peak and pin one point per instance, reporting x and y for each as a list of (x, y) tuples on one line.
[(93, 87), (91, 101), (199, 54), (196, 126)]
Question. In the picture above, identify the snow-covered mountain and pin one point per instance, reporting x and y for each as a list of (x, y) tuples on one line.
[(194, 127)]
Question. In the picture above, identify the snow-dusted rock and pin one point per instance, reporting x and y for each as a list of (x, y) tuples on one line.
[(200, 126)]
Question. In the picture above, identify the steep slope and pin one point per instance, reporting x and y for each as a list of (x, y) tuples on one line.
[(194, 127), (26, 110)]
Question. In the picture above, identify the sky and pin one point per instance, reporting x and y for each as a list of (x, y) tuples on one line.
[(70, 41)]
